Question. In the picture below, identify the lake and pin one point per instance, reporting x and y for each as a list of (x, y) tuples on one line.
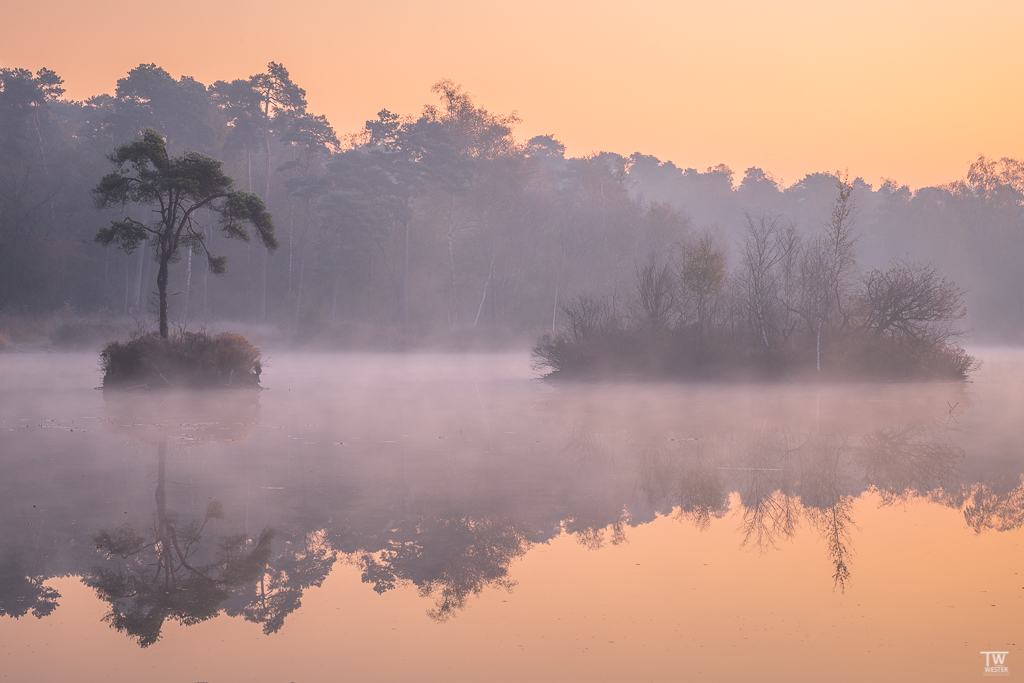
[(450, 517)]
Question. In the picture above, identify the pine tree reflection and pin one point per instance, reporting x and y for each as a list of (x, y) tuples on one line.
[(165, 574), (305, 562)]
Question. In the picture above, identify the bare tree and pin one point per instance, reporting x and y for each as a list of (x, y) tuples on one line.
[(768, 248), (826, 268), (837, 249), (655, 295), (913, 301), (584, 316)]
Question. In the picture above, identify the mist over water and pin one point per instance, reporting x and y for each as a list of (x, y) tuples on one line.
[(458, 502), (478, 403)]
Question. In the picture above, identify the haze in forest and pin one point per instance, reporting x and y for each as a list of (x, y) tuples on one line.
[(442, 226)]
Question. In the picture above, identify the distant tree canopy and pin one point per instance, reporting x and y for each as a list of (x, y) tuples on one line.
[(441, 225)]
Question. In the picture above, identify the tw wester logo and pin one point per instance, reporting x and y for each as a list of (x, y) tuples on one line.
[(995, 664)]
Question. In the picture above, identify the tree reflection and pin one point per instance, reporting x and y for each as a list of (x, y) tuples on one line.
[(834, 524), (449, 518), (994, 507), (702, 492), (446, 558), (909, 459), (585, 444), (769, 511), (22, 565), (825, 481), (164, 574), (783, 477), (305, 562), (22, 592), (590, 532)]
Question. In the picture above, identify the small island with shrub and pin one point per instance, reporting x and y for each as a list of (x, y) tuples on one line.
[(792, 308), (190, 360)]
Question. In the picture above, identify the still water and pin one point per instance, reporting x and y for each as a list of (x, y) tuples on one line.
[(449, 517)]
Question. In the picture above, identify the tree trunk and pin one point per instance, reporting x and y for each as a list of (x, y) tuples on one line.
[(334, 299), (147, 272), (302, 266), (137, 289), (453, 306), (161, 287), (819, 346), (127, 284), (291, 252), (188, 286), (263, 288), (163, 531), (266, 198), (405, 280), (51, 214), (206, 274), (483, 298), (554, 308)]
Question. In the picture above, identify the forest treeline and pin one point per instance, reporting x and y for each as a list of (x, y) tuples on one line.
[(431, 227)]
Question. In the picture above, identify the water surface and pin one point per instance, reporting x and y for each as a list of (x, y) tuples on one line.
[(447, 517)]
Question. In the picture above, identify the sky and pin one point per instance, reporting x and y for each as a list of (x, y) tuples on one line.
[(911, 90)]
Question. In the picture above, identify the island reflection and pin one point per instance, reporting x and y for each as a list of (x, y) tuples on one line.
[(183, 507)]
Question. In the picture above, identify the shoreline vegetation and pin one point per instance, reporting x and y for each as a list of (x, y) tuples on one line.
[(793, 307), (618, 352), (189, 360)]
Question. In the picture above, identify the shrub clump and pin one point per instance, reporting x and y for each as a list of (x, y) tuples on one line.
[(683, 354), (792, 307), (191, 360)]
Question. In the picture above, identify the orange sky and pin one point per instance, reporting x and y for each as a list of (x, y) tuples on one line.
[(911, 90)]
